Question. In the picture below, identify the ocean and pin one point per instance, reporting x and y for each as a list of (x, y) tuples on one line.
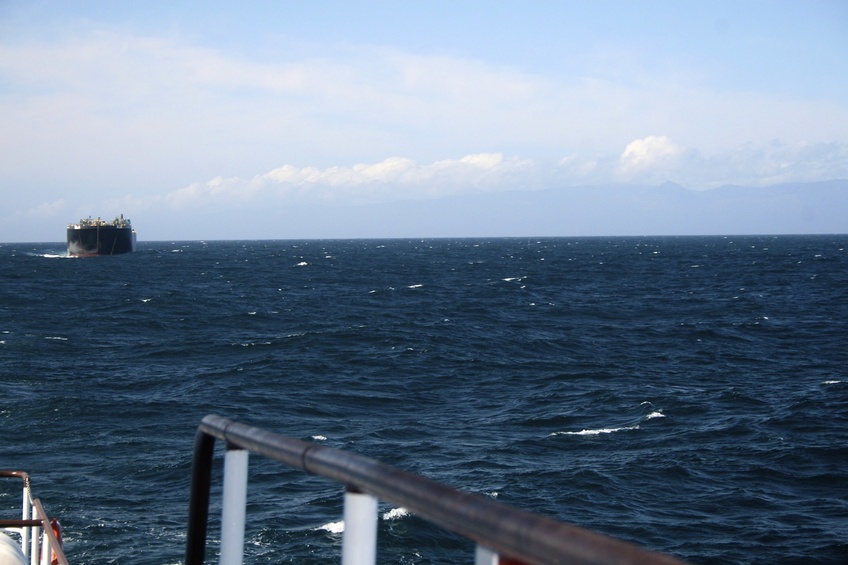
[(687, 394)]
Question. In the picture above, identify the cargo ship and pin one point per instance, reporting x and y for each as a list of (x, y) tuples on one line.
[(99, 237)]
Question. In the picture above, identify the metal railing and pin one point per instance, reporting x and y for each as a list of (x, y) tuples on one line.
[(503, 534), (40, 542)]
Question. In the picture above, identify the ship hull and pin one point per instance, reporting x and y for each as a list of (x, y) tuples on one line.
[(101, 240)]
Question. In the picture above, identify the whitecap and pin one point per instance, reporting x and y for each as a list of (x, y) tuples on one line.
[(333, 527), (319, 438), (339, 527), (302, 264), (656, 414), (831, 382), (395, 514), (595, 432), (415, 286)]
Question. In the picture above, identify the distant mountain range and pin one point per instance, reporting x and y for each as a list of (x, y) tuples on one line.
[(668, 209), (612, 210)]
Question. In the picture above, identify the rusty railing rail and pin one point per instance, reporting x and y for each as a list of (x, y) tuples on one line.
[(503, 534)]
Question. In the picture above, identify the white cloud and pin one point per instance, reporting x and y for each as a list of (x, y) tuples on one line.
[(49, 209), (148, 107), (648, 154), (772, 163), (389, 170), (394, 178), (578, 167)]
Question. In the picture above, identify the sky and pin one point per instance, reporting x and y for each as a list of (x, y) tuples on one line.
[(264, 119)]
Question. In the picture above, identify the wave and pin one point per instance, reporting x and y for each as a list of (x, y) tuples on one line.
[(52, 255), (599, 431), (338, 527), (333, 527), (395, 514)]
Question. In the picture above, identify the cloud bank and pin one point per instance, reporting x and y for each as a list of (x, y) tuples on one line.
[(653, 159), (160, 110)]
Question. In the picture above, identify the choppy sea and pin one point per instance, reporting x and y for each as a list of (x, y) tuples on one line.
[(686, 394)]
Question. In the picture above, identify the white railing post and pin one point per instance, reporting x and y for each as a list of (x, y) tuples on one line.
[(485, 556), (233, 507), (25, 516), (45, 548), (359, 543), (33, 541)]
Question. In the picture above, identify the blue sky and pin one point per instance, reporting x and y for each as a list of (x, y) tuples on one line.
[(200, 111)]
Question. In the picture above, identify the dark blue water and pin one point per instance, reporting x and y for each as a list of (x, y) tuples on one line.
[(686, 394)]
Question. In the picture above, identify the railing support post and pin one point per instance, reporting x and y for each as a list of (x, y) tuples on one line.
[(34, 538), (485, 556), (359, 544), (25, 510), (198, 507), (45, 548), (233, 509)]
